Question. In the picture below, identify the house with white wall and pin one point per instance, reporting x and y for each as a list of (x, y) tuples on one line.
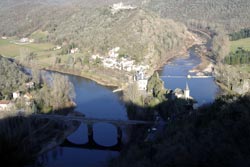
[(5, 105), (16, 95)]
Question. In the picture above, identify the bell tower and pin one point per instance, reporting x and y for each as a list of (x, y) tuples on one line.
[(187, 92)]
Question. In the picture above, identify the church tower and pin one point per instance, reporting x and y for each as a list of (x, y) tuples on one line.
[(187, 92)]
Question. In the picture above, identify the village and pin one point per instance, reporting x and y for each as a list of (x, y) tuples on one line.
[(120, 6), (25, 97)]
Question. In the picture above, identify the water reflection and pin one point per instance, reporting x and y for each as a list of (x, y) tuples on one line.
[(94, 101), (101, 132), (80, 136)]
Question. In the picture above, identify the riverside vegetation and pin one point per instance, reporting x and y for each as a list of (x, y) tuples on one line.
[(44, 96), (24, 138)]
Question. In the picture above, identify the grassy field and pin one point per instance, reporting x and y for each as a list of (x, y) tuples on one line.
[(10, 49), (245, 68), (244, 43)]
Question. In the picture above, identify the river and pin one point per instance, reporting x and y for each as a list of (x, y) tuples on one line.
[(94, 101), (100, 102), (203, 90)]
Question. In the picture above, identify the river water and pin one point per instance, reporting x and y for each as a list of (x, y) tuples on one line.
[(203, 90), (100, 102), (94, 101)]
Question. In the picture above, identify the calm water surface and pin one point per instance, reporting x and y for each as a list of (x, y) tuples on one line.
[(204, 90), (97, 102)]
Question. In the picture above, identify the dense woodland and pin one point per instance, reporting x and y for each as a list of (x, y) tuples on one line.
[(48, 94), (243, 33), (231, 14), (12, 77), (240, 56)]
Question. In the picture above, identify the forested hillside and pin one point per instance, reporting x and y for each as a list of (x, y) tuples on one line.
[(140, 33), (11, 76), (233, 14), (215, 135), (24, 17)]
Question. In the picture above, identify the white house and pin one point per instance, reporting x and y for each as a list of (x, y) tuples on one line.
[(16, 94), (31, 40), (182, 94), (5, 105), (97, 56), (24, 40), (30, 85), (127, 65), (141, 81), (58, 47), (109, 63), (120, 6), (74, 50), (113, 52), (178, 93)]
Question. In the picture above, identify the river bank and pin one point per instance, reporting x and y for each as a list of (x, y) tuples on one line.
[(120, 79)]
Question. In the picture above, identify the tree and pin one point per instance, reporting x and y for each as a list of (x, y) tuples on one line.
[(156, 85), (132, 92), (62, 91), (36, 76)]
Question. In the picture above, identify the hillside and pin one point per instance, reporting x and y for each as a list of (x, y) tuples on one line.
[(12, 77), (21, 17), (139, 33), (214, 135), (233, 14)]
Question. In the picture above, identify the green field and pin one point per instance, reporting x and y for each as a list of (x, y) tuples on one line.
[(9, 49), (244, 43), (44, 53), (245, 68)]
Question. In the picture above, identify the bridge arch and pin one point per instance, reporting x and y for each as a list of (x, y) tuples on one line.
[(92, 144)]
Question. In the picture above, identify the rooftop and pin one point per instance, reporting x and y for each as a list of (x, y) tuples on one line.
[(4, 101)]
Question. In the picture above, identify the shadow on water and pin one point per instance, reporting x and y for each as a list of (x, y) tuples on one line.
[(23, 137)]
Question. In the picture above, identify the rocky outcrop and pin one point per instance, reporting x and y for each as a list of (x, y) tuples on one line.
[(241, 87), (233, 78)]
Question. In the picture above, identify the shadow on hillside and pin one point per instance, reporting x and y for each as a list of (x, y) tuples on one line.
[(24, 138), (214, 135)]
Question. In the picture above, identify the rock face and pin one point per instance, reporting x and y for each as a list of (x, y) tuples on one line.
[(242, 87), (234, 78)]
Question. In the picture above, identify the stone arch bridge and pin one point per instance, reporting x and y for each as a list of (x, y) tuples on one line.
[(92, 144)]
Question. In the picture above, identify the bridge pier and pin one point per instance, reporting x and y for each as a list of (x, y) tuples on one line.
[(119, 135), (90, 134)]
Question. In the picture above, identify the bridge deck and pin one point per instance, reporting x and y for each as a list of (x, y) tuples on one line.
[(92, 120), (195, 76)]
